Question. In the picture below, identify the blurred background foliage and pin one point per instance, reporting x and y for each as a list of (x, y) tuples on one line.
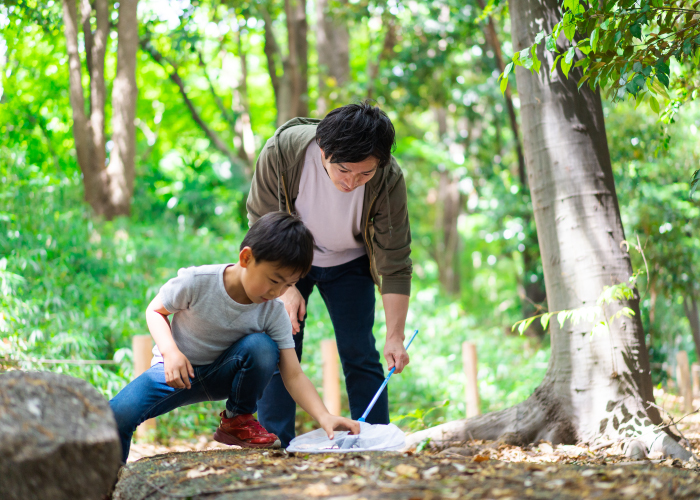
[(75, 287)]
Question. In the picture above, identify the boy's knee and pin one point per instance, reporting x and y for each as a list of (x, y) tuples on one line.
[(264, 351)]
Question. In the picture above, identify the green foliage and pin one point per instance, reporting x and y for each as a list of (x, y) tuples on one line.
[(626, 47), (416, 420)]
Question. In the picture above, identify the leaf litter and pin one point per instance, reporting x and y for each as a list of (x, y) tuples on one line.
[(471, 470)]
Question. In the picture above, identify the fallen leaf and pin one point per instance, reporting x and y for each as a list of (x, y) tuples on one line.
[(429, 473), (317, 490), (407, 470), (481, 458), (202, 470)]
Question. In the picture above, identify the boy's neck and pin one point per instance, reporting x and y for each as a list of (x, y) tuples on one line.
[(234, 285)]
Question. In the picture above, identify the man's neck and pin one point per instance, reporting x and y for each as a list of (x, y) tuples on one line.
[(234, 285)]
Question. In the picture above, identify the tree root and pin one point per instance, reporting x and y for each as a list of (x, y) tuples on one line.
[(541, 418)]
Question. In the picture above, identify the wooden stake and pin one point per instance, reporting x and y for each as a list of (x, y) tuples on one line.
[(470, 371), (331, 376), (684, 385), (695, 373), (141, 346)]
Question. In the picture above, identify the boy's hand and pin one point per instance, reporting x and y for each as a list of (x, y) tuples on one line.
[(178, 370), (296, 307), (333, 422)]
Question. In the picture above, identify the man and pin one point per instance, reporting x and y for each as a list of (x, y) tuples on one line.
[(339, 176)]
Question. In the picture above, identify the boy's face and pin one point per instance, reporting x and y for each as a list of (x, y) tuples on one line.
[(265, 280), (347, 177)]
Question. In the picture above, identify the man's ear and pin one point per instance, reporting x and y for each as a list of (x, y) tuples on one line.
[(245, 257)]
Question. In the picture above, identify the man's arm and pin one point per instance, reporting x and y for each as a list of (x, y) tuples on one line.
[(304, 393), (177, 366), (395, 311)]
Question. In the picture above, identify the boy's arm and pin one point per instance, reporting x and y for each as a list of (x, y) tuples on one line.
[(304, 393), (178, 369)]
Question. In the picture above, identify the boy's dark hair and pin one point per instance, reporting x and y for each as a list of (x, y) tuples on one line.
[(355, 132), (283, 239)]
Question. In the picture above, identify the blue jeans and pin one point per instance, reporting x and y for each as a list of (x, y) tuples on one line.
[(239, 375), (348, 291)]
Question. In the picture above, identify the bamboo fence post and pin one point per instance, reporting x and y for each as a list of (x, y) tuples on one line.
[(683, 375), (141, 346), (695, 373), (469, 361), (331, 376)]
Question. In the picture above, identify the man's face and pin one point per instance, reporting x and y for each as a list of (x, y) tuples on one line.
[(347, 177)]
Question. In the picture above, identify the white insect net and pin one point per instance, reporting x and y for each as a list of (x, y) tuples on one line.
[(372, 437)]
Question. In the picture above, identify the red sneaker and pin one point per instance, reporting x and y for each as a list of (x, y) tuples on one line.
[(245, 431)]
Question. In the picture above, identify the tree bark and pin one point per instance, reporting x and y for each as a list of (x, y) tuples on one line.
[(93, 180), (596, 387), (98, 90), (244, 128), (449, 207), (690, 306), (121, 169), (333, 48)]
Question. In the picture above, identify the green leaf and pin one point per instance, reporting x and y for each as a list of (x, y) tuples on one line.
[(636, 30), (550, 43), (524, 325), (662, 67), (504, 84), (694, 182), (654, 104), (617, 37), (594, 38), (663, 79), (583, 80), (569, 27), (507, 70), (535, 60), (637, 67), (540, 36), (561, 317), (545, 320)]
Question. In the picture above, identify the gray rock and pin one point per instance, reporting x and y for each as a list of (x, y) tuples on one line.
[(58, 438)]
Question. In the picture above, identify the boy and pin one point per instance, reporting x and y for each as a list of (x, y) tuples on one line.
[(213, 351)]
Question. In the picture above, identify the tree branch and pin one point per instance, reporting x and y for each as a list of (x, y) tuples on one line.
[(175, 78)]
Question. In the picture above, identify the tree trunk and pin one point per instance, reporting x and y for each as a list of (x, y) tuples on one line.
[(390, 39), (241, 105), (98, 91), (333, 48), (291, 88), (596, 387), (449, 206), (124, 94), (690, 305), (93, 178)]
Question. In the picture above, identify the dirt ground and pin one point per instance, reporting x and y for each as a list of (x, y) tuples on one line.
[(477, 469)]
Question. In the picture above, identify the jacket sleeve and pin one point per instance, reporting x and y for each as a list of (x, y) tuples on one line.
[(263, 196), (392, 239)]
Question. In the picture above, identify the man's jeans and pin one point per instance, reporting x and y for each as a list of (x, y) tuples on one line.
[(239, 375), (348, 291)]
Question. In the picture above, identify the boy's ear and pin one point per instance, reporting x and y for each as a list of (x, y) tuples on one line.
[(245, 257)]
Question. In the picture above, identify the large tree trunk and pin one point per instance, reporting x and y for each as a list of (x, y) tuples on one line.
[(596, 387), (690, 305), (124, 94), (333, 48)]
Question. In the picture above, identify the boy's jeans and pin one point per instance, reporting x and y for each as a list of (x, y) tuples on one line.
[(348, 291), (239, 375)]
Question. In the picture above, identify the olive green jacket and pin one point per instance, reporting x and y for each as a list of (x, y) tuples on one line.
[(385, 227)]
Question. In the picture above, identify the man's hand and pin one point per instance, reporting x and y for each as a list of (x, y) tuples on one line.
[(395, 354), (334, 423), (178, 370), (296, 307)]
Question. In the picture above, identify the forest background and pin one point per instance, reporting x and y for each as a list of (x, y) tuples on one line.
[(214, 80)]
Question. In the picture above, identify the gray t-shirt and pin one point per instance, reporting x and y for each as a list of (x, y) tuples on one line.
[(207, 321)]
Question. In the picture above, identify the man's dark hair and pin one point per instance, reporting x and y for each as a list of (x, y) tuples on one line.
[(283, 239), (355, 132)]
